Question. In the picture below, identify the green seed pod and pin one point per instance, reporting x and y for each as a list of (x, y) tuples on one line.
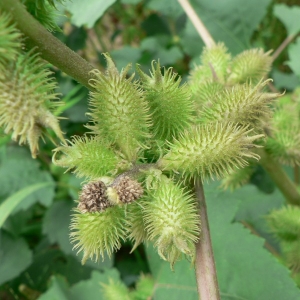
[(135, 224), (285, 223), (210, 150), (217, 58), (172, 221), (118, 109), (89, 157), (144, 288), (44, 12), (10, 44), (243, 104), (98, 233), (251, 65), (237, 178), (26, 100), (171, 106), (291, 253), (115, 290)]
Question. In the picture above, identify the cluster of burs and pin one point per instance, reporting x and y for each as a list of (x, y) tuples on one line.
[(150, 138)]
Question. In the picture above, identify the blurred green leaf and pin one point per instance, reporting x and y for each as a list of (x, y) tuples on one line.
[(231, 22), (84, 290), (9, 205), (87, 12), (285, 81), (169, 8), (15, 256), (58, 290), (289, 16), (17, 171), (125, 55), (56, 224), (294, 62)]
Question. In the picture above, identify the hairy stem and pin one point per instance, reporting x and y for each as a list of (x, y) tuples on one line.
[(49, 47), (206, 274), (279, 176), (201, 29)]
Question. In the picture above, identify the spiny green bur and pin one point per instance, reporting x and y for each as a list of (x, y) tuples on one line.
[(170, 104), (172, 221), (27, 100), (10, 45), (118, 110), (98, 233), (283, 143), (210, 150), (153, 120), (87, 156)]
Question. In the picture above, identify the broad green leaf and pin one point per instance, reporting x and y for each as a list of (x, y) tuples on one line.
[(245, 269), (15, 256), (87, 12), (17, 171), (169, 8), (180, 284), (231, 22), (285, 81), (253, 210), (56, 224), (58, 290), (125, 55), (289, 16), (9, 205), (294, 62), (89, 289)]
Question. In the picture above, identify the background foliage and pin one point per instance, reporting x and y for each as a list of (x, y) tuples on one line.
[(36, 257)]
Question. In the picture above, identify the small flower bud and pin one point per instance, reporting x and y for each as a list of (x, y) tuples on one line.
[(93, 197), (125, 190)]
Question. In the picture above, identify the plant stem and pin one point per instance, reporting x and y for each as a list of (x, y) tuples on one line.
[(206, 274), (201, 29), (282, 46), (49, 47), (279, 176)]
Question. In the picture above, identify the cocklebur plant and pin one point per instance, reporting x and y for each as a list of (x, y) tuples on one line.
[(27, 91), (149, 198)]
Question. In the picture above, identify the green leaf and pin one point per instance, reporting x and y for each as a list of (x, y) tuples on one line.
[(17, 171), (84, 290), (245, 269), (15, 256), (168, 8), (58, 290), (124, 55), (9, 205), (87, 12), (56, 224), (177, 284), (91, 289), (231, 22), (294, 61), (285, 81), (289, 16)]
